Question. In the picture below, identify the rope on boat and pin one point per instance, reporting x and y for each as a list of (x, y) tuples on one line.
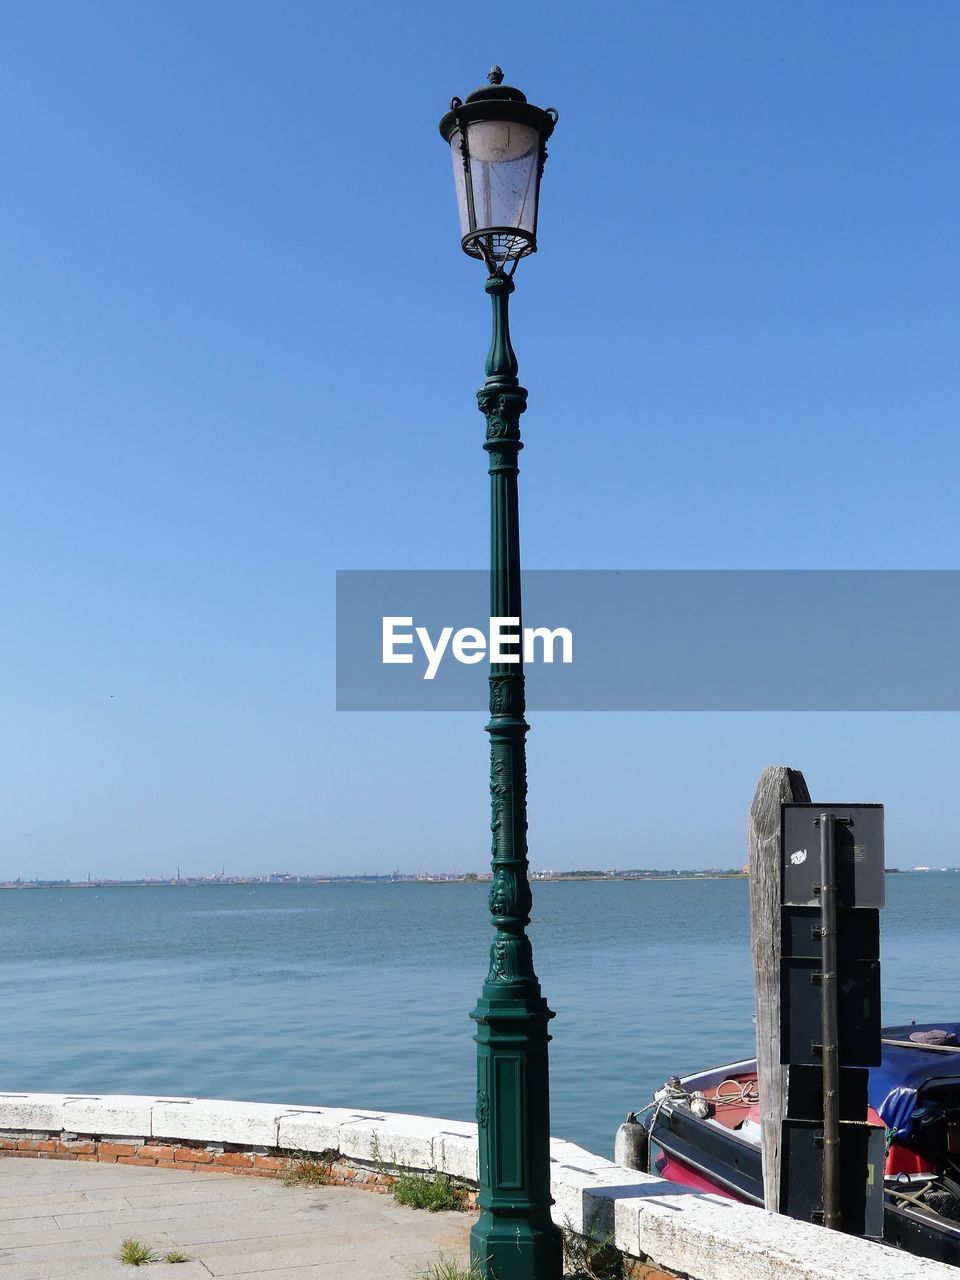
[(940, 1196), (745, 1093), (728, 1093), (669, 1093)]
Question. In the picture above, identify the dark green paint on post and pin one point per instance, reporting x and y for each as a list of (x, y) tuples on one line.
[(514, 1237)]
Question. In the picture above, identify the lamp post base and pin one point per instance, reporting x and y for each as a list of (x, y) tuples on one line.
[(514, 1237), (507, 1247)]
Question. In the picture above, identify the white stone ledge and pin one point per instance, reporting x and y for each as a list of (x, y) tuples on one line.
[(112, 1114), (704, 1236), (709, 1237), (31, 1111), (253, 1124), (313, 1131)]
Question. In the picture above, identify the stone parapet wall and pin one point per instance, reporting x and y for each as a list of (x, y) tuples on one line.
[(664, 1230)]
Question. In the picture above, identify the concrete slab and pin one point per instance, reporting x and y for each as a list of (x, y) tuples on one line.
[(386, 1270), (65, 1221), (42, 1199), (102, 1269)]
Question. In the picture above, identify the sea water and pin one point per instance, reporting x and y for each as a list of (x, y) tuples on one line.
[(357, 995)]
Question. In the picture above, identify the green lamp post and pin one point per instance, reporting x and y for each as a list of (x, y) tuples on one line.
[(498, 143)]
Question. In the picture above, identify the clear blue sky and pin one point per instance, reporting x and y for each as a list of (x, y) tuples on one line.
[(238, 350)]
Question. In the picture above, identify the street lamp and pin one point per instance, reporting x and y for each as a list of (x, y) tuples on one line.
[(498, 144)]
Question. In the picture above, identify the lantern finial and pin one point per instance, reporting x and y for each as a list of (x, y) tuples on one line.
[(495, 75)]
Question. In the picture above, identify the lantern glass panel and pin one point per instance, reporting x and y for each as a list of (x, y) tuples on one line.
[(460, 181), (504, 174)]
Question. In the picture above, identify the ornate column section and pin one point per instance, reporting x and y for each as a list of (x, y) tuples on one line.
[(501, 401), (514, 1238)]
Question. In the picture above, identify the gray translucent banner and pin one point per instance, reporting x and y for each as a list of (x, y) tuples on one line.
[(686, 640)]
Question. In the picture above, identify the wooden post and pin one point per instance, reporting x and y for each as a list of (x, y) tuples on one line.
[(778, 785)]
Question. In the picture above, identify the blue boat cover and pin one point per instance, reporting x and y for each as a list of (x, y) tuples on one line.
[(894, 1085)]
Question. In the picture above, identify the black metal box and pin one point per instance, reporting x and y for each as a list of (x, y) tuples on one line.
[(861, 1175), (858, 934), (858, 1003), (805, 1093), (859, 849)]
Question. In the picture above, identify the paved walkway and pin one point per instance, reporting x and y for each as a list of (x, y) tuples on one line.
[(61, 1220)]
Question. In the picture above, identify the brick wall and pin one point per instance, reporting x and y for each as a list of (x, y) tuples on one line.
[(207, 1157)]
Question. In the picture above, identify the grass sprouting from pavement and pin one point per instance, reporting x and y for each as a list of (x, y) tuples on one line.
[(135, 1253), (428, 1191), (446, 1268), (304, 1170)]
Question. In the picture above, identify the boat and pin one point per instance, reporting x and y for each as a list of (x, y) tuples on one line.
[(703, 1131)]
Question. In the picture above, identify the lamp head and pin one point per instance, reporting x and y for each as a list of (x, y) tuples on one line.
[(498, 144)]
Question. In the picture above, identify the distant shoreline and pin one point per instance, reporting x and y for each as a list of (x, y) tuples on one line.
[(268, 882), (252, 882)]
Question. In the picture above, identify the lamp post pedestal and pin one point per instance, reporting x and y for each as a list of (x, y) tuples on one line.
[(514, 1237)]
